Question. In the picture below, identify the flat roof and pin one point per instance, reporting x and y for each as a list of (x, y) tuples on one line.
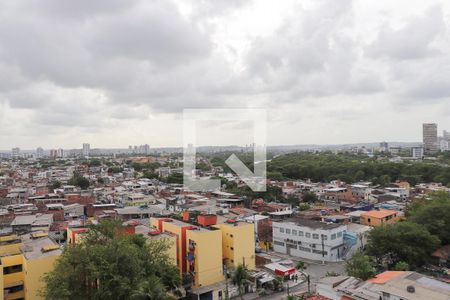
[(312, 224), (33, 248)]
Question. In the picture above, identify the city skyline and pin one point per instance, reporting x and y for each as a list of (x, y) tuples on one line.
[(327, 72)]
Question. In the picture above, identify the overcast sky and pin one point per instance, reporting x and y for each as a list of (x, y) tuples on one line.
[(114, 72)]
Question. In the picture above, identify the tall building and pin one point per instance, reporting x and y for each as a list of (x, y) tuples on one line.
[(15, 152), (444, 145), (417, 152), (430, 138), (53, 153), (86, 149), (60, 153), (446, 135), (39, 152), (384, 147)]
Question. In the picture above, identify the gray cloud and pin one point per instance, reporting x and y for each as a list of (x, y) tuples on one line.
[(91, 65)]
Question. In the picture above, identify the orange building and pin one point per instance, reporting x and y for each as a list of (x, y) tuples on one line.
[(379, 217)]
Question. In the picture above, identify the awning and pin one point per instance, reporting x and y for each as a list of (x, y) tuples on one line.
[(285, 272)]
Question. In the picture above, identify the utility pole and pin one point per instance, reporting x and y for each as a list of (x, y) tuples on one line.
[(323, 250), (287, 287), (226, 282), (309, 284)]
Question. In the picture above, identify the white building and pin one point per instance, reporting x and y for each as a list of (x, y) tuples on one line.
[(39, 152), (15, 152), (417, 152), (86, 149), (444, 145), (311, 239)]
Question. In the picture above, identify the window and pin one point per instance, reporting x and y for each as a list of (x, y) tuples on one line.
[(315, 236), (368, 220), (333, 236), (12, 269), (339, 234), (294, 232), (278, 243), (304, 249), (300, 233), (307, 234), (288, 231), (282, 230), (232, 248), (231, 236), (324, 237)]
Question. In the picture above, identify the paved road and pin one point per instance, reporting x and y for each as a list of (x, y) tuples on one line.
[(316, 271)]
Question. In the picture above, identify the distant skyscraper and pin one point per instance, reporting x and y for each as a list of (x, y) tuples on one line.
[(146, 149), (444, 145), (60, 153), (15, 152), (430, 138), (446, 135), (53, 153), (39, 152), (384, 146), (86, 149)]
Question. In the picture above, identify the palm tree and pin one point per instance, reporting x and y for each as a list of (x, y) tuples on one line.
[(240, 277), (300, 266)]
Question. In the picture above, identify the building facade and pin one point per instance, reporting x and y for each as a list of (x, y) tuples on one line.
[(310, 239), (430, 138)]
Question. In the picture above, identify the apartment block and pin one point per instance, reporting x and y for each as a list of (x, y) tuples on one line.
[(430, 138), (22, 268), (312, 239)]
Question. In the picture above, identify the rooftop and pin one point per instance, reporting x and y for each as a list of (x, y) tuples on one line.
[(314, 224), (34, 248), (382, 213)]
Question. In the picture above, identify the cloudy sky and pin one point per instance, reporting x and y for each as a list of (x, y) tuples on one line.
[(114, 72)]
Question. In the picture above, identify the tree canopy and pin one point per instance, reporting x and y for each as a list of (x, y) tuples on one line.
[(327, 166), (433, 213), (110, 264), (404, 241), (79, 181), (360, 266)]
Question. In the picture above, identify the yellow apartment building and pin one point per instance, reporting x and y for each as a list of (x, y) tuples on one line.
[(199, 250), (21, 273), (238, 244), (169, 238), (10, 244)]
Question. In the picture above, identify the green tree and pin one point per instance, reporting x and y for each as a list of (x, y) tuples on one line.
[(94, 163), (300, 265), (239, 278), (401, 266), (303, 206), (403, 241), (360, 266), (434, 214), (175, 178), (275, 176), (310, 197), (56, 184), (110, 264), (79, 181)]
